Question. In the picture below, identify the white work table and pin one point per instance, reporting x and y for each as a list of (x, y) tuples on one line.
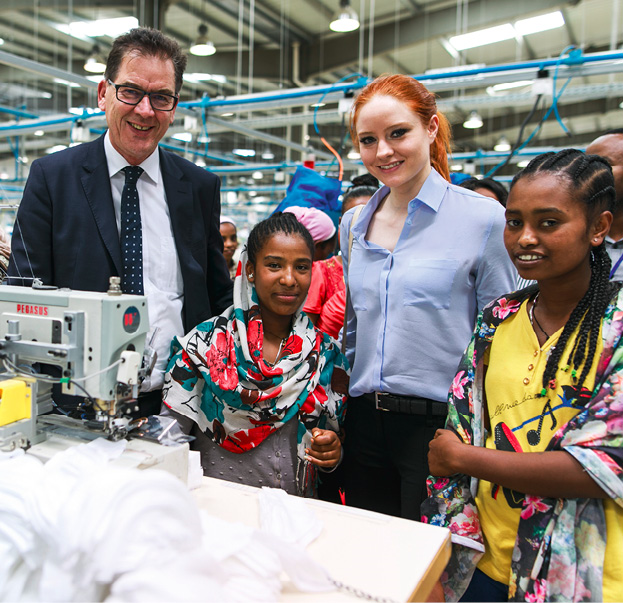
[(389, 558)]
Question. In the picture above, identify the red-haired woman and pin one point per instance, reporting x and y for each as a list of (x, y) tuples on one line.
[(426, 257)]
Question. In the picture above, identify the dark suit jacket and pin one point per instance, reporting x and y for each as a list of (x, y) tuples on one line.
[(66, 233)]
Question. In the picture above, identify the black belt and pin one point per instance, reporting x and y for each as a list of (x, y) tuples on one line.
[(409, 405)]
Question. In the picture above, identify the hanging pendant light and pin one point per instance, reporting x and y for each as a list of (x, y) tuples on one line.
[(345, 19), (95, 63), (473, 122), (502, 145), (203, 47)]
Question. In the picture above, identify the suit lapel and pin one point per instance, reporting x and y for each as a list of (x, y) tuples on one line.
[(96, 185), (180, 202)]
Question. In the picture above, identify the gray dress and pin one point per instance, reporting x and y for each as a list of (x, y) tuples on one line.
[(273, 463)]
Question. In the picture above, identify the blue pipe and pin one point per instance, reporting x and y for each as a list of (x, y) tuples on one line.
[(171, 147), (572, 59), (52, 122), (17, 113), (257, 189), (264, 168), (223, 102)]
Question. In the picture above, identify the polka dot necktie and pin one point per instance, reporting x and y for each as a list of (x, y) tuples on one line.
[(131, 234)]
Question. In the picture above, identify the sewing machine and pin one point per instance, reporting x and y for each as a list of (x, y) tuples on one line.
[(97, 341)]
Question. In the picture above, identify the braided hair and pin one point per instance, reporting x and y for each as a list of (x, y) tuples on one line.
[(589, 180), (279, 222)]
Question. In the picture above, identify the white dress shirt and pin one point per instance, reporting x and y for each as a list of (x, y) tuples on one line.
[(162, 275)]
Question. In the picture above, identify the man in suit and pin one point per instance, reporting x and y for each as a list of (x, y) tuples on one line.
[(83, 218)]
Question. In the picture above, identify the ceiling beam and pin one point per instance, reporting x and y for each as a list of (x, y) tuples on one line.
[(340, 51)]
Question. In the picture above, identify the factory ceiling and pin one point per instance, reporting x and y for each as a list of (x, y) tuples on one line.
[(275, 47)]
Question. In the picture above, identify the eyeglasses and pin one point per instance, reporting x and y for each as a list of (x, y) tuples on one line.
[(133, 96)]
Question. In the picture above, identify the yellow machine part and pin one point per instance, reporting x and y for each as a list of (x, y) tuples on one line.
[(14, 401)]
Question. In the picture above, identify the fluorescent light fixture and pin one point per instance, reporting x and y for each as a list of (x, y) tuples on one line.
[(345, 19), (95, 78), (502, 145), (456, 167), (314, 105), (523, 163), (200, 162), (452, 70), (473, 122), (482, 37), (203, 139), (352, 154), (4, 176), (58, 80), (244, 152), (504, 86), (546, 22), (203, 46), (252, 193), (196, 78), (1, 41), (257, 175), (227, 114), (55, 149), (38, 133), (267, 154), (82, 110), (499, 33), (100, 27), (183, 136)]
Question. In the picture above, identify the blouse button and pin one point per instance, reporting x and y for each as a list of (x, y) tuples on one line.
[(530, 367), (536, 353), (526, 381)]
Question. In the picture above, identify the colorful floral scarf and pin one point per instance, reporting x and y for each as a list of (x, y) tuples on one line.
[(560, 544), (218, 377)]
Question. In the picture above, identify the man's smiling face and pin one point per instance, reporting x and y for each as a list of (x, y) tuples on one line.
[(135, 131)]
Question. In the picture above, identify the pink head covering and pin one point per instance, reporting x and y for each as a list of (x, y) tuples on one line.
[(226, 220), (318, 223)]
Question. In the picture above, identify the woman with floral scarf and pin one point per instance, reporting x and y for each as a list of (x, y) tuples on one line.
[(258, 386), (543, 375)]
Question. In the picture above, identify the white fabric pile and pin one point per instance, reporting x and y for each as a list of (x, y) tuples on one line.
[(80, 529)]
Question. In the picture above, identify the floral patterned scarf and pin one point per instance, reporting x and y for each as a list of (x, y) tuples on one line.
[(218, 377), (560, 544)]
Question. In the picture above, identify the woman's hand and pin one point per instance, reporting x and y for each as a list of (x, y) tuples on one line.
[(326, 448), (444, 451)]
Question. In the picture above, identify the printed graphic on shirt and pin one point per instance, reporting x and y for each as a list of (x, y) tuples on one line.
[(546, 425)]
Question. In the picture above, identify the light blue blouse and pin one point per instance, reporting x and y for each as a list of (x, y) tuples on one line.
[(415, 307)]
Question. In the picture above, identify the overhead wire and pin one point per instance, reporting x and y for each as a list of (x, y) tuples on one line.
[(317, 130), (552, 109)]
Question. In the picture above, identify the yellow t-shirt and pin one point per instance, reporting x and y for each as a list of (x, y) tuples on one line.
[(523, 421)]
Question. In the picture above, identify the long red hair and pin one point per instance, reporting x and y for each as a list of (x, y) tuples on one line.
[(420, 101)]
